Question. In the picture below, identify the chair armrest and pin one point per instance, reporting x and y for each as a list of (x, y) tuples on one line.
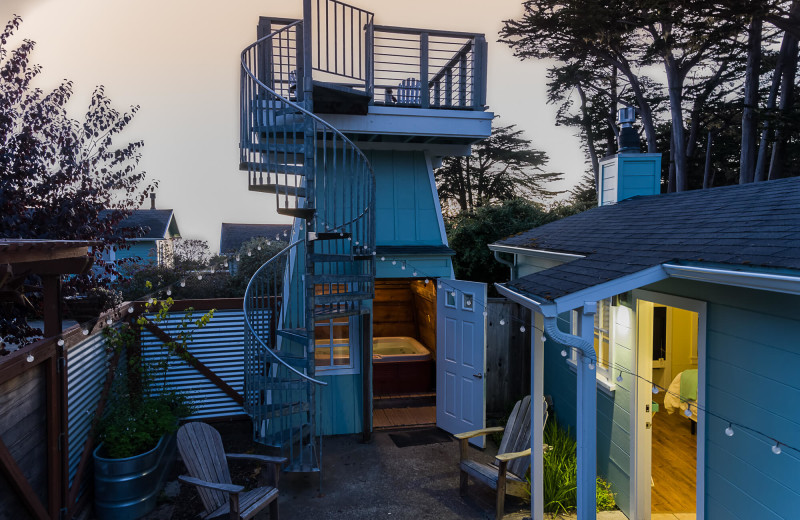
[(478, 433), (505, 457), (256, 458), (227, 488)]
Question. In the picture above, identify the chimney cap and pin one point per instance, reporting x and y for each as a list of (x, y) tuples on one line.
[(626, 116)]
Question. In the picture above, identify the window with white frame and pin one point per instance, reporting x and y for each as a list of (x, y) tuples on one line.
[(335, 351), (603, 339)]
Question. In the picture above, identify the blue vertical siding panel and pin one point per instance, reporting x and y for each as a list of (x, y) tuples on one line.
[(406, 211), (753, 358), (341, 404)]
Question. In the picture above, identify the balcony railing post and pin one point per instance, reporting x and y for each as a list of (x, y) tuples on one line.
[(263, 52), (425, 96), (479, 72), (308, 86), (369, 59), (299, 61), (448, 88), (462, 80)]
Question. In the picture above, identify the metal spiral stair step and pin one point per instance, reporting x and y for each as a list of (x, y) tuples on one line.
[(304, 213), (279, 129), (298, 335), (327, 313), (272, 411), (340, 278), (329, 235), (279, 148), (279, 189), (328, 258), (288, 436), (342, 297), (277, 168)]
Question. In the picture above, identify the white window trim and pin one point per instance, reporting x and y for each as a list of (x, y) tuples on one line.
[(604, 376), (355, 349)]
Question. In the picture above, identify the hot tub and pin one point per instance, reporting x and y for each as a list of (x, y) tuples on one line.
[(401, 364), (398, 348)]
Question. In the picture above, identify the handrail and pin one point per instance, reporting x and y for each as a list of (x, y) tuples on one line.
[(272, 260), (430, 32), (307, 113), (452, 63)]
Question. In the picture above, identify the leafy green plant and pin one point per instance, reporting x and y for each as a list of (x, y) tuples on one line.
[(142, 408), (560, 482)]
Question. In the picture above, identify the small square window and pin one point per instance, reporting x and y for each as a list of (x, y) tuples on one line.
[(332, 343), (468, 302), (450, 298)]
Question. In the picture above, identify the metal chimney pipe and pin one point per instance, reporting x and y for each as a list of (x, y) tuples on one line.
[(152, 200)]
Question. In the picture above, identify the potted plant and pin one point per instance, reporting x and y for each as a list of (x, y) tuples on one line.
[(137, 432)]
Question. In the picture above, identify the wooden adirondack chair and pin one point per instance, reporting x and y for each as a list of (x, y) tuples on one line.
[(200, 446), (507, 474)]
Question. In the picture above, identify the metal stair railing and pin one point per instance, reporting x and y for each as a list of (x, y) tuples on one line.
[(320, 177)]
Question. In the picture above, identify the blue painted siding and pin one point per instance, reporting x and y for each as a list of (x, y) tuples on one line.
[(406, 210), (613, 409), (145, 250), (753, 361), (341, 404)]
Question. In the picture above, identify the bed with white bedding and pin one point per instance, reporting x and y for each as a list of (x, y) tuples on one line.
[(682, 395)]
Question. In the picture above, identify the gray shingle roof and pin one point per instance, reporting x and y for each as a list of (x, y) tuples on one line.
[(154, 222), (234, 235), (754, 225)]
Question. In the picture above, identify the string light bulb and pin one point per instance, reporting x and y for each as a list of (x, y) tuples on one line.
[(427, 281), (522, 328), (394, 262), (85, 332), (591, 365), (199, 276), (183, 283), (439, 285), (776, 449), (109, 321), (383, 259), (655, 389), (169, 292), (485, 314), (688, 412), (29, 359), (544, 339), (564, 352), (729, 430), (259, 248), (403, 267), (249, 253), (60, 342), (130, 310), (619, 377), (414, 274), (150, 301), (502, 322)]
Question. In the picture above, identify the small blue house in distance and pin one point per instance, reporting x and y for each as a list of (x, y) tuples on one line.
[(343, 121), (232, 236), (154, 241), (670, 343)]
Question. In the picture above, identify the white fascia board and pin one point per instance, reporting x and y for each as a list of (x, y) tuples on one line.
[(611, 288), (465, 124), (749, 279), (545, 308), (535, 253)]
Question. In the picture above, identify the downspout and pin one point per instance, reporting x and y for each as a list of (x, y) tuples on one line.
[(511, 265)]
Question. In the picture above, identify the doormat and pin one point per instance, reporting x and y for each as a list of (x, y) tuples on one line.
[(420, 437)]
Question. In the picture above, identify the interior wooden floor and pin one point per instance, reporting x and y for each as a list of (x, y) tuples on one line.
[(674, 462)]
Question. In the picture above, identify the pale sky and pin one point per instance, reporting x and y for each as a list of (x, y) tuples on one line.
[(179, 60)]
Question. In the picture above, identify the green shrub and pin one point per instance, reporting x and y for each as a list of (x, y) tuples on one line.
[(561, 474)]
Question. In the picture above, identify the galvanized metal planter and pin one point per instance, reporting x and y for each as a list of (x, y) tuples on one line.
[(127, 489)]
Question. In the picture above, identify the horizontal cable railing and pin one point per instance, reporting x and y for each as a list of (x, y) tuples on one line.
[(429, 69)]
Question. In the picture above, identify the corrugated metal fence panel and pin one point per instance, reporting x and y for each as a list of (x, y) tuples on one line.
[(87, 367), (220, 346)]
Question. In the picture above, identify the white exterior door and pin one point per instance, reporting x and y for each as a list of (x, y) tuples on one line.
[(460, 357)]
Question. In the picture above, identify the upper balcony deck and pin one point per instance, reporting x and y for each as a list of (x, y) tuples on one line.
[(414, 84)]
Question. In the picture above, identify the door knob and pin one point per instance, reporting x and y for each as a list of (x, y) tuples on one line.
[(478, 376)]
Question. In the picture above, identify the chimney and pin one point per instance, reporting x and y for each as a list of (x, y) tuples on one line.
[(629, 172), (152, 200)]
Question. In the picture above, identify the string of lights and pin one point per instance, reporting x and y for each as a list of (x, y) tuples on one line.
[(150, 298)]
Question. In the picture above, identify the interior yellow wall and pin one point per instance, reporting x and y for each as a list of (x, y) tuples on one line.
[(681, 339)]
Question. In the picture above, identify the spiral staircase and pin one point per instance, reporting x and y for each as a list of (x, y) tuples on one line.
[(319, 177)]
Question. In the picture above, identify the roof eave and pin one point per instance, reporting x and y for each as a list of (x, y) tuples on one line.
[(540, 253), (765, 281)]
